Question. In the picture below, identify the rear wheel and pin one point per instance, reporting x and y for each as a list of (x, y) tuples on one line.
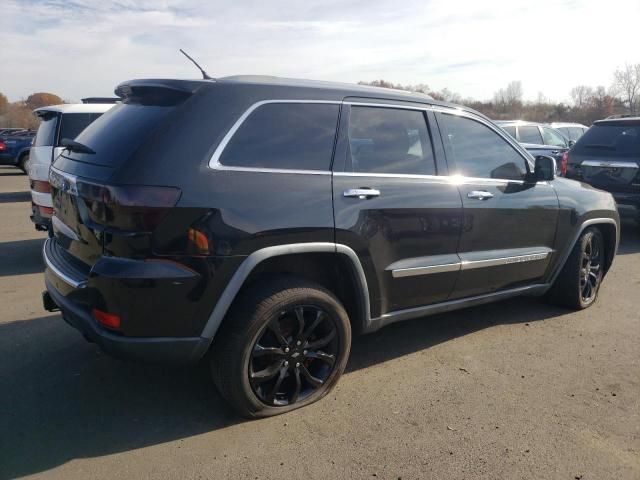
[(283, 346), (578, 283)]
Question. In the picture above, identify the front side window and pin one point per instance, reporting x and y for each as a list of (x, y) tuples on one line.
[(480, 152), (529, 134), (295, 136), (74, 123), (389, 140), (551, 137)]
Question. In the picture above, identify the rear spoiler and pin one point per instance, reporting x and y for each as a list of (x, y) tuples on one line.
[(158, 91)]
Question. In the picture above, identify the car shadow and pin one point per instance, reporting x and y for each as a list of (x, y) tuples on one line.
[(11, 197), (11, 173), (21, 257), (63, 399)]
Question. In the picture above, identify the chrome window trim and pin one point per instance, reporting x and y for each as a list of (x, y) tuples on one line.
[(445, 179), (214, 162)]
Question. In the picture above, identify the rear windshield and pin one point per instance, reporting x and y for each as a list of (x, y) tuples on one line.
[(73, 123), (610, 140), (46, 131), (119, 132)]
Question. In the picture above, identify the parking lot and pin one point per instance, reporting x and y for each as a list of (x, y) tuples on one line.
[(516, 389)]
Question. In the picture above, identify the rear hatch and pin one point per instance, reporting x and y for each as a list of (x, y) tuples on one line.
[(90, 211), (607, 156)]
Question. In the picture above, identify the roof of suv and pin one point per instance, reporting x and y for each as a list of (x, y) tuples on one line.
[(618, 121), (337, 88), (76, 108)]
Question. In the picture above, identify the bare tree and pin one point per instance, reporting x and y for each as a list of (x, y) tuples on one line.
[(581, 95), (626, 83)]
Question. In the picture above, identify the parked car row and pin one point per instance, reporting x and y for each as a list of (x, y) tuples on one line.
[(260, 222), (15, 144)]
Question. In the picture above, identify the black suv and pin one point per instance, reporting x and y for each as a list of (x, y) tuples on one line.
[(607, 156), (262, 221)]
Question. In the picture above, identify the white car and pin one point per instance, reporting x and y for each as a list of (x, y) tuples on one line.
[(57, 122)]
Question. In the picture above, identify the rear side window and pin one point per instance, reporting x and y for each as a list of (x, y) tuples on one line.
[(551, 137), (615, 139), (478, 151), (390, 140), (575, 133), (510, 130), (72, 124), (294, 136), (45, 137), (529, 134)]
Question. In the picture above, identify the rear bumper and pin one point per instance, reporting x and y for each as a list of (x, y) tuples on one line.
[(172, 350), (74, 293)]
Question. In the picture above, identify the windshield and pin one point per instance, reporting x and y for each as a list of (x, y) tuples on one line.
[(611, 140)]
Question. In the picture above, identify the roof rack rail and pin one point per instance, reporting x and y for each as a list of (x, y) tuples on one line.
[(622, 115)]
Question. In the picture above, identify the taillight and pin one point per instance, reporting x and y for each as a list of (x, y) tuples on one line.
[(40, 186), (564, 163), (106, 319), (198, 243), (3, 146), (129, 206)]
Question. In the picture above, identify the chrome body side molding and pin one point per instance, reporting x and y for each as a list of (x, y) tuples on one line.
[(467, 261)]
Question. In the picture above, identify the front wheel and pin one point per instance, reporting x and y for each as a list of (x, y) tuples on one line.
[(283, 345), (578, 283)]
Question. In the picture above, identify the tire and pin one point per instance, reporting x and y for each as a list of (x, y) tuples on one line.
[(263, 334), (569, 288), (23, 163)]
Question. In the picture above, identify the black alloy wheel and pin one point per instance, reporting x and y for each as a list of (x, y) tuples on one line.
[(283, 345), (590, 268), (294, 356)]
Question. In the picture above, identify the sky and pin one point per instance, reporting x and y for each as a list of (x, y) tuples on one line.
[(81, 48)]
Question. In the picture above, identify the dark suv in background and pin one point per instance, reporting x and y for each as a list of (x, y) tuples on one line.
[(607, 156), (266, 220)]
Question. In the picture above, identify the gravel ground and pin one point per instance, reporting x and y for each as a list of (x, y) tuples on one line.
[(513, 390)]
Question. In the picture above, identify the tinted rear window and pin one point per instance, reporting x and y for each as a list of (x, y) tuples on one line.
[(610, 140), (296, 136), (119, 132), (46, 131), (73, 123), (510, 130)]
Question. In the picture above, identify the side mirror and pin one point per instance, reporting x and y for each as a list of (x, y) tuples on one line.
[(545, 168), (571, 143)]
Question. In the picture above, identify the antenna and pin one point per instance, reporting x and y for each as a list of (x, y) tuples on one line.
[(205, 75)]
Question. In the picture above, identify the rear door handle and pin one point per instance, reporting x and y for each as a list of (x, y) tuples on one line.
[(361, 193), (480, 195)]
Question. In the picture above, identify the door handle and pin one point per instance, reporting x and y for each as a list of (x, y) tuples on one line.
[(554, 152), (480, 195), (361, 193)]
